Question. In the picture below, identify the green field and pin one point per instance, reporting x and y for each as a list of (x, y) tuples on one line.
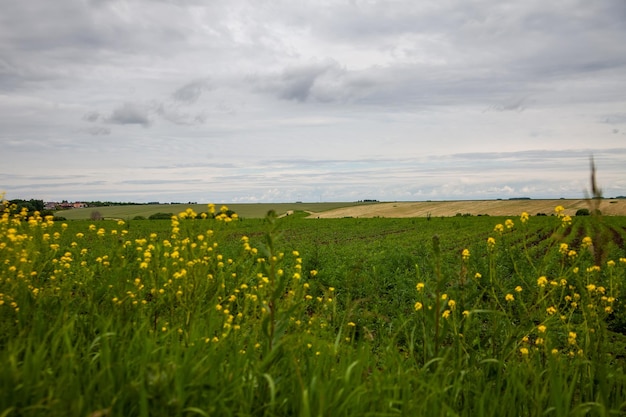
[(244, 210), (446, 316)]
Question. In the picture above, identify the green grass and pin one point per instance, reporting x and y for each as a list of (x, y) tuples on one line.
[(244, 210), (296, 316)]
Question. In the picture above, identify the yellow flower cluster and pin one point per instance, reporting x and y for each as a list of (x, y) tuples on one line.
[(153, 273), (568, 311)]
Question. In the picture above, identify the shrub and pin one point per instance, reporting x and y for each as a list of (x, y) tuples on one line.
[(582, 212), (161, 216)]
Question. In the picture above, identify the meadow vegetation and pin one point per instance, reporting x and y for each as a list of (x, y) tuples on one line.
[(208, 314), (246, 211)]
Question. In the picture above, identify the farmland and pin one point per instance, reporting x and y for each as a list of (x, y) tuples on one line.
[(435, 315), (611, 207), (244, 210)]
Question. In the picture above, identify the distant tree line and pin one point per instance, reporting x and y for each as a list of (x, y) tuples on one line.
[(31, 205), (110, 203)]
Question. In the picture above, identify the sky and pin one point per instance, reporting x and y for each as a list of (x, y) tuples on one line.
[(248, 101)]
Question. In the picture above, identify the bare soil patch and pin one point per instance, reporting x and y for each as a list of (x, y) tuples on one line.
[(609, 207)]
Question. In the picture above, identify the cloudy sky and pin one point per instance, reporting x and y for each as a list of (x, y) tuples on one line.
[(311, 100)]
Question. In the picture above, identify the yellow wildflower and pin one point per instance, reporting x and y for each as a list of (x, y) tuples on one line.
[(509, 297), (418, 306), (571, 338)]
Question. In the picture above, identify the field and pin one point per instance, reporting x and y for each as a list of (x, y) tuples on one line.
[(243, 210), (517, 315), (611, 207)]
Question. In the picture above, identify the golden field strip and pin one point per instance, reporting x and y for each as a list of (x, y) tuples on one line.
[(610, 207)]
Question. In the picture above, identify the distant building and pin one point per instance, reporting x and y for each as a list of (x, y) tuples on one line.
[(53, 205)]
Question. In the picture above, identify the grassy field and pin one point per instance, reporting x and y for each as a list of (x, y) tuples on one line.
[(611, 207), (244, 210), (448, 316)]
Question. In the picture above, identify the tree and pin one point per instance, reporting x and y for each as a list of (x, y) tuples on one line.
[(31, 205)]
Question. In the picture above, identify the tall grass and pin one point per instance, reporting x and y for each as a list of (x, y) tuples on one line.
[(110, 319)]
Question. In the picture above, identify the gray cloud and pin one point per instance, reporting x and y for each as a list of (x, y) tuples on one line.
[(174, 114), (517, 105), (129, 114), (97, 130), (92, 116), (324, 81), (297, 83), (191, 92), (163, 181)]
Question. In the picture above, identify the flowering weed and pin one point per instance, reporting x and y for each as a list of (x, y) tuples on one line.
[(211, 315)]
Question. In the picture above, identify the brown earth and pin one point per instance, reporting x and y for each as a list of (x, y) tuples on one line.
[(610, 207)]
